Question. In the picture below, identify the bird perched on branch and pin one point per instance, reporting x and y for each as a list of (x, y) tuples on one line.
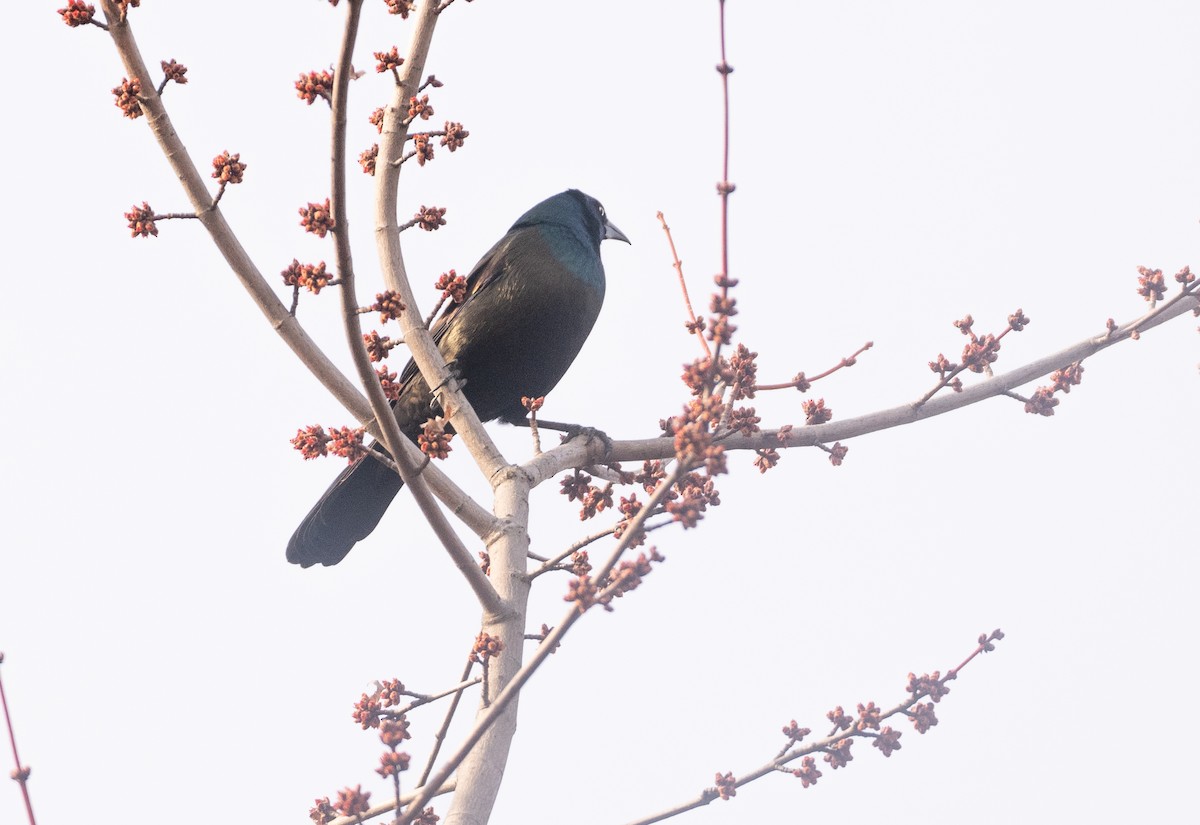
[(529, 305)]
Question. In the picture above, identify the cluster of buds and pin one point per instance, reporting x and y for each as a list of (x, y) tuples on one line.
[(315, 85), (313, 277), (387, 380), (419, 107), (392, 762), (434, 439), (228, 169), (388, 304), (452, 285), (127, 97), (422, 148), (141, 221), (173, 72), (1043, 402), (1152, 286), (315, 442), (868, 723), (586, 591), (726, 787), (453, 135), (367, 159), (629, 508), (78, 13), (317, 218), (978, 355), (430, 218), (578, 487), (352, 801), (388, 61), (377, 346), (486, 647), (371, 709)]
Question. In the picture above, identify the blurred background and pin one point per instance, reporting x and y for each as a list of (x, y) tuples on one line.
[(897, 167)]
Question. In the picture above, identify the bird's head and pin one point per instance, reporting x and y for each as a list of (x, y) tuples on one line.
[(576, 210)]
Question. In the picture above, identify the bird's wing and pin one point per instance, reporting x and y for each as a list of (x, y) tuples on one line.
[(490, 269)]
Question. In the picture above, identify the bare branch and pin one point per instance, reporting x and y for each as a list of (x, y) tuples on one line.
[(553, 562), (20, 773), (439, 738), (387, 235), (578, 453), (392, 437), (695, 325), (844, 730), (278, 315), (513, 687)]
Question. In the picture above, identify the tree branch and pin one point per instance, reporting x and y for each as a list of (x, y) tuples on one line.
[(387, 236), (380, 406), (932, 687), (499, 706), (579, 452), (195, 188)]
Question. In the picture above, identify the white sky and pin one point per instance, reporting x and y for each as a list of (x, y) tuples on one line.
[(898, 166)]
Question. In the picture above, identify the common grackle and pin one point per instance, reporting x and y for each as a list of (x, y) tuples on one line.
[(530, 303)]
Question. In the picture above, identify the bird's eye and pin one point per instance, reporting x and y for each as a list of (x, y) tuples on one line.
[(602, 212)]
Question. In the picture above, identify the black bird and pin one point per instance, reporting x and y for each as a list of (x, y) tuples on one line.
[(530, 303)]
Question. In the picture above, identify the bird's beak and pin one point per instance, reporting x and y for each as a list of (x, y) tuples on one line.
[(614, 234)]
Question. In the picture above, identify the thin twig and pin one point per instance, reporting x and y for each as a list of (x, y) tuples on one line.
[(852, 730), (693, 322), (282, 320), (948, 379), (725, 187), (420, 700), (848, 361), (20, 772), (439, 738), (553, 562), (488, 598)]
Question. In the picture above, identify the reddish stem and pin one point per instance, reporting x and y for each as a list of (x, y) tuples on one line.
[(845, 362), (21, 774), (724, 188), (687, 299)]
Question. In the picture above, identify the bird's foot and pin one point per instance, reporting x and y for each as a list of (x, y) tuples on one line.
[(570, 431), (587, 433), (455, 371)]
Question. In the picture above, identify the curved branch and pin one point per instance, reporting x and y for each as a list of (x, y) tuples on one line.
[(195, 188), (580, 452), (351, 320), (387, 237), (840, 734)]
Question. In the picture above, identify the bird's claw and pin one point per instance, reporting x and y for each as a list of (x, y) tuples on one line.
[(588, 433), (455, 375)]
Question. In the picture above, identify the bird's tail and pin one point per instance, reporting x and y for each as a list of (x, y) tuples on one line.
[(347, 513)]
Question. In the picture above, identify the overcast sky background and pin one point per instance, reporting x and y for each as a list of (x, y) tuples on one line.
[(897, 166)]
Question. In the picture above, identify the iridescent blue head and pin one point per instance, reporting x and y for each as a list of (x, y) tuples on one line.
[(576, 211)]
